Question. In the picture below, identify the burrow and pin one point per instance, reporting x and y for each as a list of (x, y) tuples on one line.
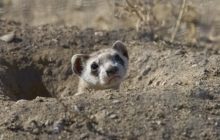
[(23, 82)]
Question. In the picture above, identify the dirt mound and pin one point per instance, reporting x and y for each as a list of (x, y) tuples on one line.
[(171, 91)]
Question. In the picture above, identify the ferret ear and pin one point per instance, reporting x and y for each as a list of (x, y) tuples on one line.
[(119, 46), (78, 63)]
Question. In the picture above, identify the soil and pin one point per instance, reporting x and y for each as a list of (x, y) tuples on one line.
[(171, 91)]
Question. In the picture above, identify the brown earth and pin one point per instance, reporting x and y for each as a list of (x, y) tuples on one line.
[(171, 91)]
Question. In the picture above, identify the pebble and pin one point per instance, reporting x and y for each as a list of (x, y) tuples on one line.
[(36, 131), (83, 136), (180, 52), (100, 116), (115, 101), (159, 122), (98, 33), (58, 126), (113, 116), (48, 72), (48, 122), (217, 123), (21, 101), (146, 71), (79, 108), (8, 37)]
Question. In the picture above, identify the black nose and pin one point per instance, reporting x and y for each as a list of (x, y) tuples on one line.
[(112, 70)]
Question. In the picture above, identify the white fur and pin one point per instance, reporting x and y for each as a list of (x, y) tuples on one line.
[(102, 80)]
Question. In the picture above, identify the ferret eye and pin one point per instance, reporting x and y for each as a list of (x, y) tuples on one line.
[(118, 59), (94, 66)]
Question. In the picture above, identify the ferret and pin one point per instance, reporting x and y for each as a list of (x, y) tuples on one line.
[(104, 69)]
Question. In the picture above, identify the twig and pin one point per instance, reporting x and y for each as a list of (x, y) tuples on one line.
[(178, 22)]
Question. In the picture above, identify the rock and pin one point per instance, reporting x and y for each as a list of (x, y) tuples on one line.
[(36, 131), (159, 122), (146, 71), (98, 33), (21, 101), (32, 126), (48, 72), (83, 136), (115, 101), (217, 124), (180, 52), (79, 108), (58, 126), (113, 116), (100, 116), (48, 122), (8, 37)]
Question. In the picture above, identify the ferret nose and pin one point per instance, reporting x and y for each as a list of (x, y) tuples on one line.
[(112, 70)]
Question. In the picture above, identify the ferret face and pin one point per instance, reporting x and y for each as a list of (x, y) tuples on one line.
[(103, 69)]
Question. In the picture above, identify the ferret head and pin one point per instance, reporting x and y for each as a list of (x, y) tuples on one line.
[(103, 69)]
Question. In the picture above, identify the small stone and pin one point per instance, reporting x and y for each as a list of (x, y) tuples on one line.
[(217, 124), (58, 126), (98, 33), (180, 52), (48, 122), (109, 96), (79, 108), (113, 116), (194, 65), (54, 40), (179, 83), (7, 108), (146, 71), (28, 47), (199, 83), (209, 118), (36, 131), (22, 101), (8, 37), (163, 83), (115, 101), (159, 122), (83, 136), (48, 72), (100, 116)]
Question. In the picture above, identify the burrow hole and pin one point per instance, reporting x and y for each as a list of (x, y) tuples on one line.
[(24, 83)]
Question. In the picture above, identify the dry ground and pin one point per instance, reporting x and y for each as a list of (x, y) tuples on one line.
[(171, 91)]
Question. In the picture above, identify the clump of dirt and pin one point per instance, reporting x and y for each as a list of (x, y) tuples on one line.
[(170, 92)]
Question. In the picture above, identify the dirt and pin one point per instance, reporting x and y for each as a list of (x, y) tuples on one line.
[(171, 90)]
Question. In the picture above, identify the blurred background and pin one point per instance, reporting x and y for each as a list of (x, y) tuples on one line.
[(199, 20)]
